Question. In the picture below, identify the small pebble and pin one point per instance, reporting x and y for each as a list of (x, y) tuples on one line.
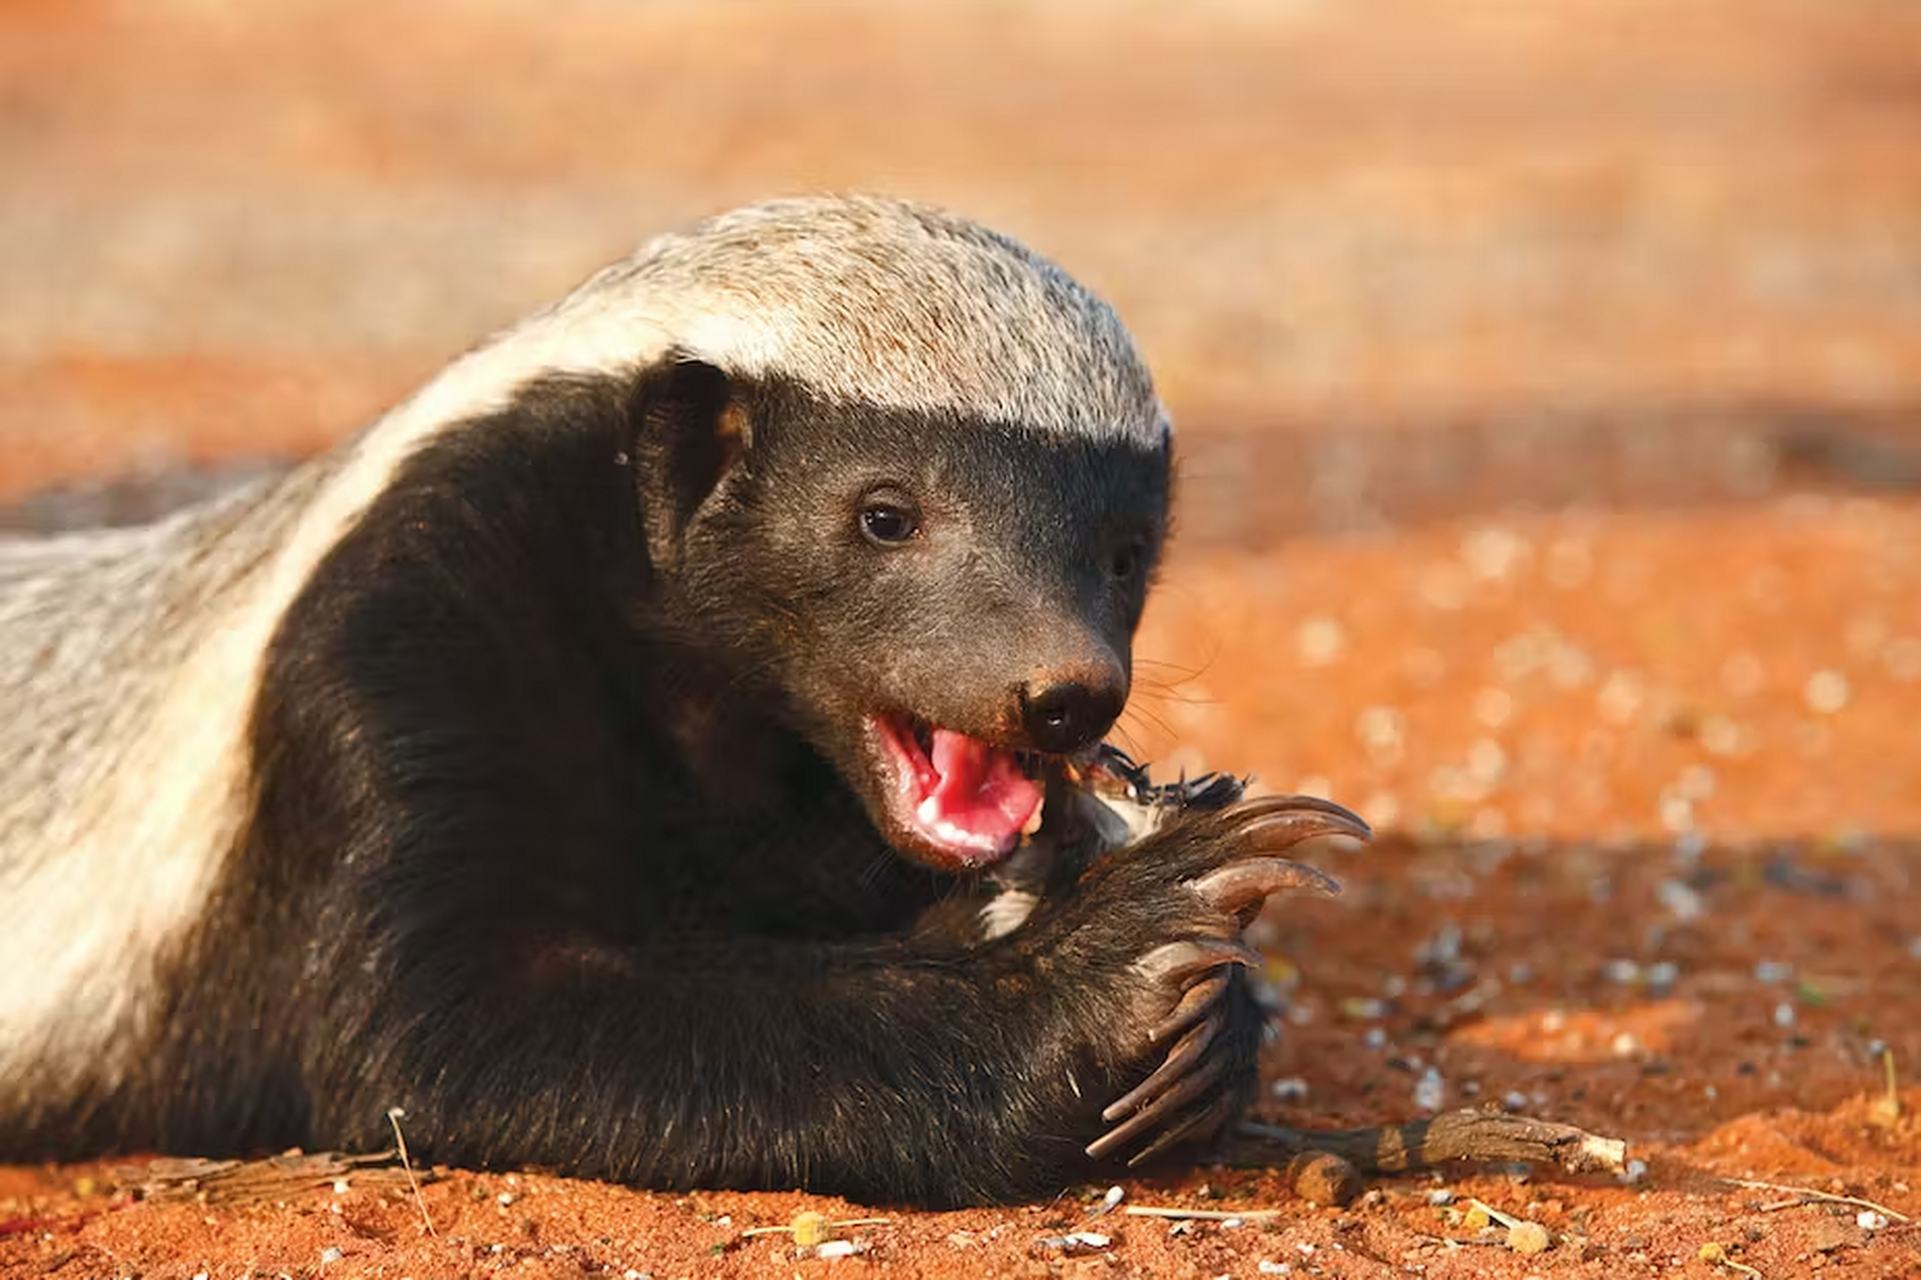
[(1661, 976), (1320, 640), (1430, 1091), (1267, 1268), (1528, 1237), (1115, 1194), (1440, 1196), (1635, 1171), (1772, 971), (1680, 900), (1826, 692), (1375, 1038), (1621, 971), (1869, 1220), (1514, 1100), (840, 1248), (1291, 1088), (1784, 1015), (330, 1254), (1321, 1177)]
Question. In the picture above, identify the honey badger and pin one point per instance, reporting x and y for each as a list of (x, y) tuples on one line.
[(581, 757)]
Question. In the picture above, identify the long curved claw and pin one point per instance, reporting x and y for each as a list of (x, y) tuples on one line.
[(1252, 881), (1176, 962), (1194, 1004), (1208, 1074), (1208, 1119), (1280, 831), (1266, 806), (1181, 1059)]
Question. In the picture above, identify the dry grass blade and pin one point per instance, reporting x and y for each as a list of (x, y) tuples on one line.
[(400, 1141), (1802, 1195)]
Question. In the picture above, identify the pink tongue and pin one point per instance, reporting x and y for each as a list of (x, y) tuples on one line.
[(981, 792)]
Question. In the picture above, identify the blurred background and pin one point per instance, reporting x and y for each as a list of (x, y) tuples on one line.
[(1548, 376)]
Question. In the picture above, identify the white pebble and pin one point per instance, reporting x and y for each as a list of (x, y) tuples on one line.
[(1826, 692), (1621, 972), (1267, 1268), (1784, 1015), (1494, 554), (1291, 1088), (1772, 971), (1380, 730), (1680, 900), (1430, 1091), (1869, 1220), (1620, 698), (1721, 736), (1677, 812), (1636, 1170), (330, 1254), (1625, 1044), (1486, 762), (1319, 641), (839, 1248)]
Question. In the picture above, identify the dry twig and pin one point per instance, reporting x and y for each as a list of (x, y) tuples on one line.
[(1482, 1136), (252, 1181)]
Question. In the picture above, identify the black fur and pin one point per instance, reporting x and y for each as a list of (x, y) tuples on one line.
[(560, 842)]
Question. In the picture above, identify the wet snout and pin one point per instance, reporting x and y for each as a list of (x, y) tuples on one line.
[(1066, 706)]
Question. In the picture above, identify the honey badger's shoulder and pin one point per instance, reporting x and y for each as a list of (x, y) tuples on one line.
[(538, 760)]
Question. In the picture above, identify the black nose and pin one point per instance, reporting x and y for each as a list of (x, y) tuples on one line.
[(1061, 715)]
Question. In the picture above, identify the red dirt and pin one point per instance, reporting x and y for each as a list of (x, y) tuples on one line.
[(1548, 382)]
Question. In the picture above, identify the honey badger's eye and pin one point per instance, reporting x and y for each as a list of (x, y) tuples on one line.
[(1127, 559), (888, 518)]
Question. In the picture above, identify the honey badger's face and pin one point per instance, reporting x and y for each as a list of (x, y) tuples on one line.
[(940, 604)]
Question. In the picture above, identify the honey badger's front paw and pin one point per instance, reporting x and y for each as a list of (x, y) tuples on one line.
[(1225, 865)]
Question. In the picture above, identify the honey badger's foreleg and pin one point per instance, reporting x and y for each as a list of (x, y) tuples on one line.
[(873, 1071)]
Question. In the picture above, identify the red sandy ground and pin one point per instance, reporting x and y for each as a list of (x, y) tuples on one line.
[(1547, 377)]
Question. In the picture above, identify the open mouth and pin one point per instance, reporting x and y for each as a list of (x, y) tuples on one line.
[(968, 801)]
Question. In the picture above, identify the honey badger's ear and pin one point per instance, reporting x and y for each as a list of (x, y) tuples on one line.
[(689, 431)]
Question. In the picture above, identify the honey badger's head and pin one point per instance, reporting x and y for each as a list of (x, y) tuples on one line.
[(911, 480)]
